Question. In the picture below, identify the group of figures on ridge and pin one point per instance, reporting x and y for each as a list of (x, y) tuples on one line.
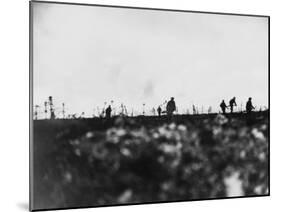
[(232, 103), (171, 107)]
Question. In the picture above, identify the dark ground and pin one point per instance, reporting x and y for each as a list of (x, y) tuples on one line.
[(95, 162)]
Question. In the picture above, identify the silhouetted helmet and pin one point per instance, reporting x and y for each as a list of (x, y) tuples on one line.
[(172, 98)]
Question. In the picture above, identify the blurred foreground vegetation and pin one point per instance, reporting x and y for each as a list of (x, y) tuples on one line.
[(95, 162)]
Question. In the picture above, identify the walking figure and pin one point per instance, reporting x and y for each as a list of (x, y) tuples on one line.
[(223, 106), (249, 106), (159, 110), (193, 109), (108, 112), (171, 107), (232, 103)]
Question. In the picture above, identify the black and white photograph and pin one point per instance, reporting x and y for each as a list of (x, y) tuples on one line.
[(136, 105)]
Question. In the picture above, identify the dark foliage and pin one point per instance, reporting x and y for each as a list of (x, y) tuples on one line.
[(95, 162)]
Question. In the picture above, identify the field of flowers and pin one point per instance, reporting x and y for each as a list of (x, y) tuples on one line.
[(90, 162)]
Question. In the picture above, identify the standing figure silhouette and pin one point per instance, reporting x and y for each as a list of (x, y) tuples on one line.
[(159, 110), (108, 112), (171, 107), (249, 106), (232, 103), (223, 106)]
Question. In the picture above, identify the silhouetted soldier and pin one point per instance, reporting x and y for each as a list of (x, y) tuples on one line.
[(159, 110), (223, 106), (51, 108), (171, 107), (249, 106), (232, 103), (108, 112), (193, 109)]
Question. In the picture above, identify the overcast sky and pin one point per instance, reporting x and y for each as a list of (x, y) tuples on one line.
[(85, 56)]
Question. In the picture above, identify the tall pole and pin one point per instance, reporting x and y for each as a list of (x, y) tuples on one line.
[(125, 109), (52, 112), (122, 109), (194, 109), (36, 112), (143, 109), (45, 109), (63, 111)]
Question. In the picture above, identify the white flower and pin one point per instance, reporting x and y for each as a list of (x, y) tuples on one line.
[(162, 130), (172, 126), (77, 152), (264, 127), (258, 189), (170, 149), (67, 177), (125, 196), (89, 134), (217, 130), (120, 132), (262, 156), (166, 186), (258, 134), (243, 154), (125, 152), (233, 185), (182, 127), (155, 135), (221, 119)]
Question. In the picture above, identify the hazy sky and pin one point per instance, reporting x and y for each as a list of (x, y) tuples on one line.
[(85, 56)]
